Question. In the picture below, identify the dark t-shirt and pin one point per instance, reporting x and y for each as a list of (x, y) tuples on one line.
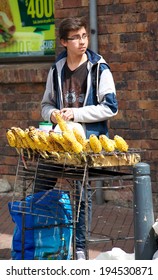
[(74, 85)]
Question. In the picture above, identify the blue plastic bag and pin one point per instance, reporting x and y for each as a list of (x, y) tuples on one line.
[(48, 226)]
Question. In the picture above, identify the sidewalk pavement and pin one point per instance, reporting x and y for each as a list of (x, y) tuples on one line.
[(110, 222)]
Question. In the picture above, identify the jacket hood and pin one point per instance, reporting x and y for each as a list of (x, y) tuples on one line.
[(92, 57)]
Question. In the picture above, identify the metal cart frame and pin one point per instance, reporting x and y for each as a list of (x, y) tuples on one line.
[(84, 173)]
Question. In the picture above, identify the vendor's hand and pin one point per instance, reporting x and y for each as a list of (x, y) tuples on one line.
[(53, 119), (67, 114)]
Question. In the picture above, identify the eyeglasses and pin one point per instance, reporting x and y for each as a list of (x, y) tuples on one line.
[(77, 37)]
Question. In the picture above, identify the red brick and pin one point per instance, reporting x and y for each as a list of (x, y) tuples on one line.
[(72, 3), (149, 144), (154, 134), (148, 104), (151, 114)]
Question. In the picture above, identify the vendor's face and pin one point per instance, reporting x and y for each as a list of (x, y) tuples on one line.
[(76, 42)]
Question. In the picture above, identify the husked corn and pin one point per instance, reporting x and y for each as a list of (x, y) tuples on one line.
[(121, 144), (87, 147), (43, 140), (74, 144), (95, 144), (51, 144), (79, 137), (29, 140), (11, 138), (66, 145), (61, 122), (107, 144), (19, 143), (31, 128), (21, 133), (55, 136), (34, 137), (62, 141)]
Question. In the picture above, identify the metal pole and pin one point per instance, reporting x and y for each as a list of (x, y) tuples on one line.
[(99, 192), (93, 25), (94, 48), (145, 241)]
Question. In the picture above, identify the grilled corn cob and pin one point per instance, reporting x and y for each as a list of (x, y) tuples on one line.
[(43, 140), (87, 147), (121, 144), (63, 142), (61, 122), (11, 138), (21, 133), (51, 144), (75, 146), (29, 140), (31, 128), (66, 144), (19, 142), (95, 144), (58, 147), (39, 145), (56, 137), (79, 137), (107, 144), (34, 137)]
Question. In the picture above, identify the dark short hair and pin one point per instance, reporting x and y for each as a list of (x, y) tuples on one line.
[(71, 24)]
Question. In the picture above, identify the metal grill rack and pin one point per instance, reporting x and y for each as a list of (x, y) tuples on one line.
[(39, 174)]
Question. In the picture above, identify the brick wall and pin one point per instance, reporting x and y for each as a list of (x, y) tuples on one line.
[(127, 36), (21, 90), (128, 39)]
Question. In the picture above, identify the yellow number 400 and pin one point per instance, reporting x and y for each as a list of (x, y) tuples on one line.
[(40, 8)]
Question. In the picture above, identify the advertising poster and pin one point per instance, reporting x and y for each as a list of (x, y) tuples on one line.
[(27, 28)]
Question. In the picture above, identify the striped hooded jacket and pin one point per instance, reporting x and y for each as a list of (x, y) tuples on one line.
[(100, 102)]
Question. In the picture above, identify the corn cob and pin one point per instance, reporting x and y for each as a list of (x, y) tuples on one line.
[(34, 137), (40, 142), (107, 144), (39, 145), (30, 142), (62, 141), (95, 143), (55, 136), (61, 122), (22, 136), (79, 137), (75, 146), (51, 144), (66, 145), (54, 145), (121, 144), (11, 138), (19, 143), (58, 147), (32, 128), (43, 140), (87, 147)]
